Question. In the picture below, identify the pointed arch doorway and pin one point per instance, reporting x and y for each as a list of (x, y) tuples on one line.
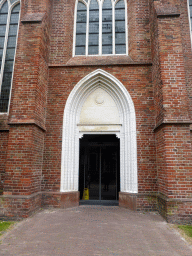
[(99, 105)]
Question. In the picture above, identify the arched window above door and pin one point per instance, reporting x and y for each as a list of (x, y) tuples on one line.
[(100, 27), (9, 19)]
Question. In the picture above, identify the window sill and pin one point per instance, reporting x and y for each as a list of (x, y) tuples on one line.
[(4, 122), (33, 18), (100, 60)]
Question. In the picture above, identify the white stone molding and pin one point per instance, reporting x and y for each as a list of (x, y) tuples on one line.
[(126, 132)]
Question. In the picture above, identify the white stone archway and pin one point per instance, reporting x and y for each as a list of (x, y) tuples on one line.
[(126, 131)]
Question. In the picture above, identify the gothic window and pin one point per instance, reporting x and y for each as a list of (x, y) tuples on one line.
[(190, 14), (100, 27), (9, 18)]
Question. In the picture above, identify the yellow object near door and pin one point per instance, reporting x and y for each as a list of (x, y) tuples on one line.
[(86, 194)]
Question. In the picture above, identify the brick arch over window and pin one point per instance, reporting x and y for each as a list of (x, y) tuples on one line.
[(71, 133)]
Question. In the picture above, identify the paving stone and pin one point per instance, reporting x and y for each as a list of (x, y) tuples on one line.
[(93, 230)]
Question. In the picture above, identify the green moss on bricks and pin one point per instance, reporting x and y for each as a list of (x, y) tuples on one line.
[(151, 199), (172, 209)]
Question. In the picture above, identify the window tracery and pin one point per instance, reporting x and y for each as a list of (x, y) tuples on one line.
[(190, 13), (100, 27), (9, 19)]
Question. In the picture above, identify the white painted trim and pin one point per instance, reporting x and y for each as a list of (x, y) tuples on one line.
[(74, 27), (5, 42), (113, 27), (10, 7), (15, 52), (100, 26), (190, 25), (103, 55), (71, 133), (100, 3), (126, 28), (87, 31)]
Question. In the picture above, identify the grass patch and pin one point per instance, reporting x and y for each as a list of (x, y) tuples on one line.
[(187, 229), (4, 225)]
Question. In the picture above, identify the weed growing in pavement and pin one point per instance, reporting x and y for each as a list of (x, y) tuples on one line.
[(187, 229), (4, 225)]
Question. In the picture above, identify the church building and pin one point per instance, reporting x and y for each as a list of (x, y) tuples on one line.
[(96, 105)]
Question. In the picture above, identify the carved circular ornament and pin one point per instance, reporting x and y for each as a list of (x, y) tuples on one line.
[(99, 99)]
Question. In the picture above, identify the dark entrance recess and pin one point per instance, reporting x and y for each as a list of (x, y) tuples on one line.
[(99, 169)]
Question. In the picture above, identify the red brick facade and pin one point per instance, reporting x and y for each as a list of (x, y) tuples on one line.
[(157, 74)]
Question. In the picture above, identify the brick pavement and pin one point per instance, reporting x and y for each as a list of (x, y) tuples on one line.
[(95, 231)]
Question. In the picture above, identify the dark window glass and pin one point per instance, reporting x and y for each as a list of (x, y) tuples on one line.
[(4, 8), (80, 39), (1, 42), (93, 28), (80, 50), (13, 30), (8, 66), (119, 26), (11, 41), (3, 18), (16, 9), (1, 55), (120, 42), (81, 29), (3, 23), (93, 40), (190, 10), (9, 60), (13, 1), (2, 30), (10, 53), (5, 91), (107, 27), (14, 18)]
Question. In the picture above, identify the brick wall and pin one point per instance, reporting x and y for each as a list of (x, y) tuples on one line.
[(172, 104), (187, 53), (61, 46), (137, 80), (24, 160), (63, 25), (157, 74), (18, 207), (3, 156), (171, 97), (28, 104), (174, 161), (138, 30), (22, 184)]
